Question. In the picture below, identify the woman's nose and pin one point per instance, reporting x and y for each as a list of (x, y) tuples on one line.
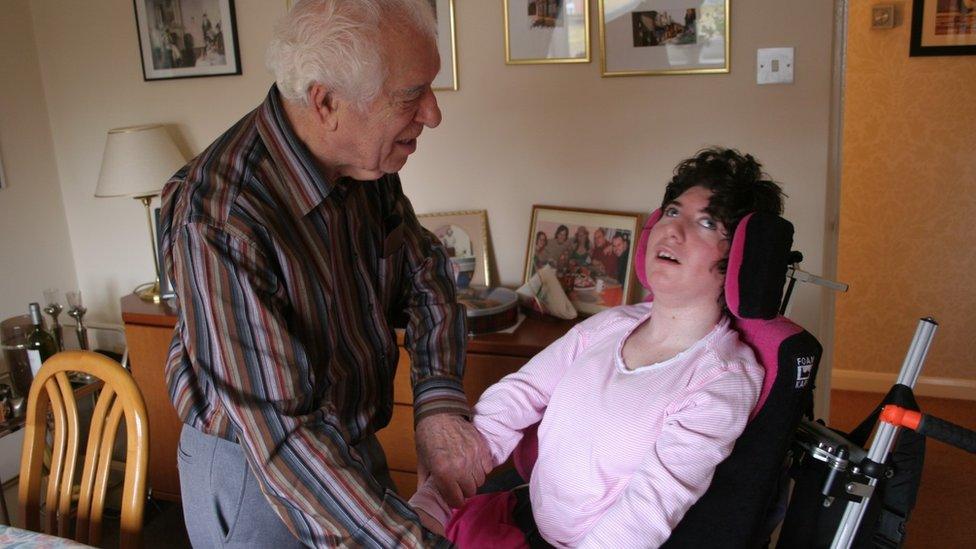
[(676, 230)]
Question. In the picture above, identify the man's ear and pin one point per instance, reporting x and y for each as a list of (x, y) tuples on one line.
[(325, 105)]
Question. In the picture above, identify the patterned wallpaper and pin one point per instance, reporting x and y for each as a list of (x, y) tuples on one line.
[(908, 202)]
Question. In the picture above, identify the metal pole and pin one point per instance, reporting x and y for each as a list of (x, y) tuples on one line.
[(884, 439)]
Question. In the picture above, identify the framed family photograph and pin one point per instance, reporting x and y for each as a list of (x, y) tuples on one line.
[(591, 250), (659, 37), (547, 31), (465, 236), (187, 38), (943, 27)]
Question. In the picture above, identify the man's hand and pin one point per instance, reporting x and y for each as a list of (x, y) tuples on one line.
[(454, 453)]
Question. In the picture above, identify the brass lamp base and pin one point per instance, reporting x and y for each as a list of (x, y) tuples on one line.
[(148, 292)]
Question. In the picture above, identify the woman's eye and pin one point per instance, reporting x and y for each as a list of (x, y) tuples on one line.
[(709, 224), (670, 211)]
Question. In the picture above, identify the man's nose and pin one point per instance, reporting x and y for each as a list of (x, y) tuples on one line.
[(429, 113)]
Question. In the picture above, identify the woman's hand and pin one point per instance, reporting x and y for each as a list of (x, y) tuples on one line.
[(429, 522)]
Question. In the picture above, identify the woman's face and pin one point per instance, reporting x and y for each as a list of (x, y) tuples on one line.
[(540, 241), (582, 238), (684, 248)]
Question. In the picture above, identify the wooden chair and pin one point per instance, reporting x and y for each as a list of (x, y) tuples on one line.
[(51, 395)]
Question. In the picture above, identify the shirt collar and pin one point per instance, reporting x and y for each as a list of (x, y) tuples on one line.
[(301, 178)]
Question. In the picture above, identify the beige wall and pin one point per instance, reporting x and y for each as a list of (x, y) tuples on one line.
[(35, 251), (907, 204), (512, 136), (89, 58)]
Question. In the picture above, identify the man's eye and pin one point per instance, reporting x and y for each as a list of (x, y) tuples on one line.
[(708, 223), (670, 211)]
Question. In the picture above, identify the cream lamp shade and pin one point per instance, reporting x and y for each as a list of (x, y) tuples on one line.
[(137, 162)]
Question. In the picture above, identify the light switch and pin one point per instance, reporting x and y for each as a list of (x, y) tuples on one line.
[(774, 66)]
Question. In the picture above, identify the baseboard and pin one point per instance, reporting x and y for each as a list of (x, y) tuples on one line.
[(880, 382)]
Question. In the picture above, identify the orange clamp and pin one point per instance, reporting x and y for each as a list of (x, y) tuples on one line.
[(896, 415)]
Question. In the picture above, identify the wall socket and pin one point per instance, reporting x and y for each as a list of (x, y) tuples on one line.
[(774, 66)]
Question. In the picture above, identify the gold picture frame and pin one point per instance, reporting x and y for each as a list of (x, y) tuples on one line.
[(597, 273), (463, 233), (664, 37), (546, 31), (447, 77)]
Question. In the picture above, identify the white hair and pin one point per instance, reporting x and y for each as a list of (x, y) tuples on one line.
[(336, 43)]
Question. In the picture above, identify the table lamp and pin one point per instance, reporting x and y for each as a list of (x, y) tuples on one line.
[(137, 162)]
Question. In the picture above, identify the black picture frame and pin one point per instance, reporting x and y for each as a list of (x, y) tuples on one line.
[(180, 39), (923, 24), (165, 285)]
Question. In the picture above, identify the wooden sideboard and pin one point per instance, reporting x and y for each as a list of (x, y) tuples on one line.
[(149, 330), (148, 333)]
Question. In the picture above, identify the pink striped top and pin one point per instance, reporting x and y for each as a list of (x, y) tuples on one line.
[(623, 453)]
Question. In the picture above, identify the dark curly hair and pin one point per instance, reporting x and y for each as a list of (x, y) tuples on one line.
[(738, 185)]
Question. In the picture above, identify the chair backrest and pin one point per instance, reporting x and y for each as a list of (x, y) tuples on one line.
[(52, 396)]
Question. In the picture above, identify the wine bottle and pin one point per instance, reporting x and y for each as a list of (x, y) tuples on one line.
[(40, 344)]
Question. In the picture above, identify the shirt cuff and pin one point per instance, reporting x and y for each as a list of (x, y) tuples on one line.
[(439, 396)]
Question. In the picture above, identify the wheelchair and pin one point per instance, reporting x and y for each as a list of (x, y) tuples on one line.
[(843, 495)]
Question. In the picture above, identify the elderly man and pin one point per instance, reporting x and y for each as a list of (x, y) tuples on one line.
[(292, 249)]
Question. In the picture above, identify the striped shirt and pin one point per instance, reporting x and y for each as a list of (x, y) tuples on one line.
[(288, 288)]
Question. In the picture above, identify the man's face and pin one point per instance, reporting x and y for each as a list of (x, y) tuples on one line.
[(599, 239), (619, 246), (378, 139)]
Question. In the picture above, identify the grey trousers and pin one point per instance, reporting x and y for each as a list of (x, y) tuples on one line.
[(222, 501)]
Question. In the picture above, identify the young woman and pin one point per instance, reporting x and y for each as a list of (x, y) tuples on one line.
[(636, 405)]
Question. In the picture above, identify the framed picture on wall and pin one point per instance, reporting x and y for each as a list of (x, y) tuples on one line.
[(943, 27), (591, 250), (465, 236), (658, 37), (187, 38), (547, 31), (447, 77)]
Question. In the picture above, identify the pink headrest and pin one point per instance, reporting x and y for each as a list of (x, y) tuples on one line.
[(641, 253)]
